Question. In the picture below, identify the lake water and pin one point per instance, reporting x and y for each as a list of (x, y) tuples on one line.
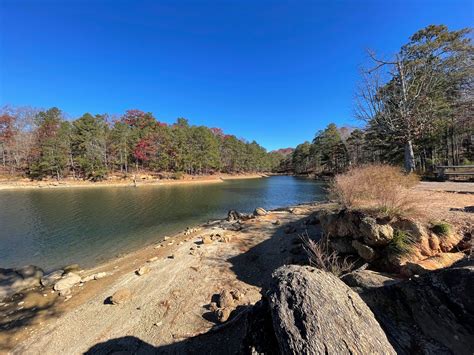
[(55, 227)]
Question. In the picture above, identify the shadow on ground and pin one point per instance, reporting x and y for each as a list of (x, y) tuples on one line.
[(22, 311), (249, 329)]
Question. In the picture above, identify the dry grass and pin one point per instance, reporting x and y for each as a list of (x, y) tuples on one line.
[(383, 188), (322, 257)]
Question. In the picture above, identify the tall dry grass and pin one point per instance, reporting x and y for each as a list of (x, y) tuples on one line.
[(382, 188), (321, 256)]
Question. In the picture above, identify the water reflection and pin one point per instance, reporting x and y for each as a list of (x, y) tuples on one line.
[(51, 228)]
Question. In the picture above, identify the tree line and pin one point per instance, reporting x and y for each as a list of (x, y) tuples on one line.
[(418, 110), (42, 144)]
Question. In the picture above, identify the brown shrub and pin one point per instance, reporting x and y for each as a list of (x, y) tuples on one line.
[(383, 188), (322, 257)]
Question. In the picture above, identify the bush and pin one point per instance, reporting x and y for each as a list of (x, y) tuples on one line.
[(384, 188), (401, 244), (442, 229), (178, 175), (322, 257)]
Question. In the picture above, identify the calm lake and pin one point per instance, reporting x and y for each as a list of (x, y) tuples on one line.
[(56, 227)]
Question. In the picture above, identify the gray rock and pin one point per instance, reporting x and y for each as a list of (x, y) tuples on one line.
[(314, 312), (259, 211), (364, 251), (429, 314), (51, 278), (364, 280), (342, 245), (13, 281), (375, 234), (67, 281), (75, 268)]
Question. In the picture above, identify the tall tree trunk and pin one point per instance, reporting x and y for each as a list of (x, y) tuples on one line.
[(409, 157)]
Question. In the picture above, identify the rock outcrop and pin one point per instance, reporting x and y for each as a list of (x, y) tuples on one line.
[(389, 244), (429, 314), (314, 312)]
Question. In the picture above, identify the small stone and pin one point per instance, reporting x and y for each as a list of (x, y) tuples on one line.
[(121, 296), (20, 303), (277, 222), (157, 246), (259, 211), (67, 281), (171, 256), (206, 240), (51, 278), (143, 270), (223, 314), (75, 268), (166, 238), (225, 299), (364, 251), (155, 258)]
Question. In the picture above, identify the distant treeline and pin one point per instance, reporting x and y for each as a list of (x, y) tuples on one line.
[(44, 144), (418, 109)]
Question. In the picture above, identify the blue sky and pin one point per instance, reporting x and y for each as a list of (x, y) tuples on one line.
[(273, 71)]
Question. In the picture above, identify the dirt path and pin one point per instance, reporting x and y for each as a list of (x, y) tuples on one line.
[(170, 302)]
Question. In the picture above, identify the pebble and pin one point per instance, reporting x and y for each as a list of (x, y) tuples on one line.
[(143, 270), (20, 303), (155, 258), (166, 238)]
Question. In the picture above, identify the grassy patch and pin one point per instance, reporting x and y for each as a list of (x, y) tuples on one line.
[(401, 244), (442, 229)]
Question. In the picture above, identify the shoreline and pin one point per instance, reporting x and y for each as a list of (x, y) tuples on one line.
[(180, 266), (70, 183), (170, 302)]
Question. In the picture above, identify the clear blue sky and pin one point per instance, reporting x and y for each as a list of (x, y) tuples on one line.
[(272, 71)]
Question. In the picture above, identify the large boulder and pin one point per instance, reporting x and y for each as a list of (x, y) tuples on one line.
[(314, 312), (13, 281), (363, 280), (429, 314)]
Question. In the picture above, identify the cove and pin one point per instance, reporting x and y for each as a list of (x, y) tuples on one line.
[(56, 227)]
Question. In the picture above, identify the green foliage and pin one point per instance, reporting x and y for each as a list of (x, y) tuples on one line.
[(401, 244), (90, 147), (442, 229), (177, 175)]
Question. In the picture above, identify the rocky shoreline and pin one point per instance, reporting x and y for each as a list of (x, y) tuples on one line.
[(246, 279)]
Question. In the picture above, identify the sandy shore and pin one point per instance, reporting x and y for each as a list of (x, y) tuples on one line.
[(168, 304), (7, 184)]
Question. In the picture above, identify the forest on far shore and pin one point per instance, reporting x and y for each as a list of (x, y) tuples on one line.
[(417, 108), (43, 144)]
